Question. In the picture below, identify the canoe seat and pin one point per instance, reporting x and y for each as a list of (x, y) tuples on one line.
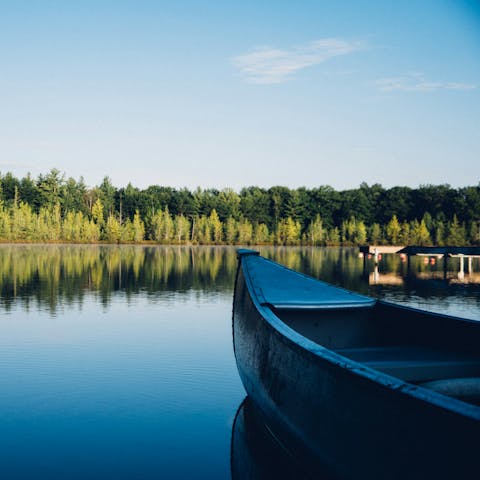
[(414, 363), (466, 389)]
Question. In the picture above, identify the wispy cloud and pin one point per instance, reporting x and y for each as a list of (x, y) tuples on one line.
[(267, 65), (418, 83)]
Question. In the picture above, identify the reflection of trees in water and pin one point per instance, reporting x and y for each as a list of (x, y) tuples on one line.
[(60, 274), (53, 275)]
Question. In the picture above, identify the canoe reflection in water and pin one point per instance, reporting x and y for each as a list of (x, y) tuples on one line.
[(255, 454)]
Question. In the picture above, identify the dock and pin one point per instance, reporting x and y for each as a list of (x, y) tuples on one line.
[(440, 252), (380, 249)]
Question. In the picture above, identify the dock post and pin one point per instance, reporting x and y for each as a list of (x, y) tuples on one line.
[(461, 273), (376, 273), (445, 266)]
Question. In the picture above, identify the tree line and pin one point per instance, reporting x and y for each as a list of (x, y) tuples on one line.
[(52, 207)]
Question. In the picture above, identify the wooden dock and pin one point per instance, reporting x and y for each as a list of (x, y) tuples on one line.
[(380, 249), (462, 253), (441, 251), (415, 250)]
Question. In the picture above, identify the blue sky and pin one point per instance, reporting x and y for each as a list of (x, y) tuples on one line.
[(230, 94)]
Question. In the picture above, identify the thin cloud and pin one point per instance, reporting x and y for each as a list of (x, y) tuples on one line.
[(418, 83), (267, 65)]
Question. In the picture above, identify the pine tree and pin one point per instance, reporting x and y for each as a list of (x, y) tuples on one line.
[(216, 226), (375, 234), (456, 233), (420, 233), (139, 228), (97, 212), (231, 230), (181, 228), (315, 232), (404, 237), (261, 234), (360, 233), (168, 226), (393, 231), (245, 232), (5, 223), (112, 229)]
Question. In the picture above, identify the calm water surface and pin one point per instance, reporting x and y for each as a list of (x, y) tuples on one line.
[(117, 361)]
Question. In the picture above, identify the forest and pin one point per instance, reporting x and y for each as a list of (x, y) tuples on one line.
[(53, 208)]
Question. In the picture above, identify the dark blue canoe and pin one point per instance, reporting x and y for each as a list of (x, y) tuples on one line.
[(362, 387)]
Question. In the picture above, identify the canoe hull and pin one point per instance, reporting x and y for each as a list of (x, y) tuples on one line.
[(333, 414)]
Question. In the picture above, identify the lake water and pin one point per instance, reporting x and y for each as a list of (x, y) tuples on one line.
[(117, 362)]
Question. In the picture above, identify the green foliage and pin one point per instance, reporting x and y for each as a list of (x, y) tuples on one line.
[(333, 237), (456, 233), (216, 227), (113, 229), (393, 231), (375, 234), (5, 223), (202, 231), (288, 232), (50, 208), (138, 228), (245, 232), (163, 226), (419, 233), (315, 232), (261, 234), (182, 228), (97, 212), (231, 230)]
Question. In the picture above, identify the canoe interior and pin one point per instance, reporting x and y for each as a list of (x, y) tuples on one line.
[(419, 347)]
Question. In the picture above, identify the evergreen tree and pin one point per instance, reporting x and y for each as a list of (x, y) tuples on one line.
[(216, 227), (404, 237), (394, 231), (97, 212), (112, 229), (420, 233), (138, 228), (456, 233), (203, 231), (168, 226), (288, 232), (127, 232), (5, 223), (181, 228), (315, 232), (245, 232), (261, 234), (439, 234), (375, 234), (333, 236), (231, 230), (360, 234)]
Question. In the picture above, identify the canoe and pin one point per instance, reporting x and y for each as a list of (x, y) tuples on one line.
[(361, 387)]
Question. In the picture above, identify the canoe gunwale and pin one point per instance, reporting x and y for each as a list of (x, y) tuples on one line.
[(313, 306), (336, 360)]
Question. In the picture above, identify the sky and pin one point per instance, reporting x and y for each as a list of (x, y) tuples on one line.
[(219, 94)]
